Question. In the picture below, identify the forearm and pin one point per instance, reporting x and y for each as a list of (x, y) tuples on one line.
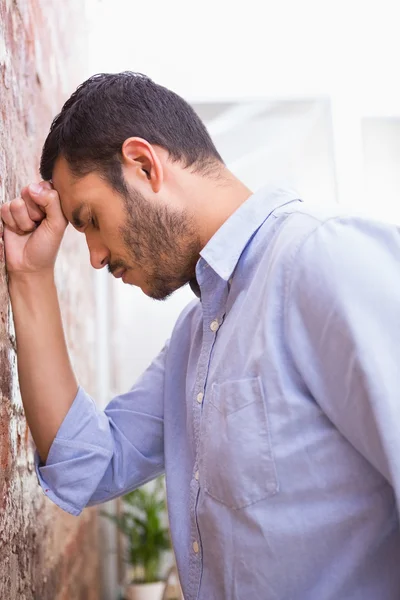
[(47, 382)]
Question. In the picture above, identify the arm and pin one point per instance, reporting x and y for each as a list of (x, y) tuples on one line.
[(98, 455), (34, 227), (47, 382), (343, 330)]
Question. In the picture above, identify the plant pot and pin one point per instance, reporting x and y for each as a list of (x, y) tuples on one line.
[(144, 591)]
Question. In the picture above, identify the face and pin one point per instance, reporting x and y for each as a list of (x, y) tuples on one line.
[(148, 243)]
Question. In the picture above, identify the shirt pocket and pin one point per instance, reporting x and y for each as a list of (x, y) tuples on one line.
[(238, 465)]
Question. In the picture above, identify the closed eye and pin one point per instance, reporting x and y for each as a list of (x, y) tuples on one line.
[(81, 224), (79, 227), (93, 222)]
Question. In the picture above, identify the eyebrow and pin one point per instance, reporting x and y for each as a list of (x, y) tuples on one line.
[(76, 216)]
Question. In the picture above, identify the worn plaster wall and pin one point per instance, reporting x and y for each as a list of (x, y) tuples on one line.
[(44, 553)]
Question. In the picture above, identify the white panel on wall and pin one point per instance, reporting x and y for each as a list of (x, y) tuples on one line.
[(381, 143), (282, 141)]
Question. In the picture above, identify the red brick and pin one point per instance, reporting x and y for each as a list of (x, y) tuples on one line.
[(45, 554)]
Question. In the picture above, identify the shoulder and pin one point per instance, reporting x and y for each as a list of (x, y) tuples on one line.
[(291, 225), (343, 259), (315, 235)]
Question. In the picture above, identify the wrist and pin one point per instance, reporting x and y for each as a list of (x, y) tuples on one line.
[(35, 282), (30, 278)]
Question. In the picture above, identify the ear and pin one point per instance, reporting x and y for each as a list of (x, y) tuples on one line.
[(140, 156)]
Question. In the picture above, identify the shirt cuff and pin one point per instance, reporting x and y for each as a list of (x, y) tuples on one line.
[(76, 463)]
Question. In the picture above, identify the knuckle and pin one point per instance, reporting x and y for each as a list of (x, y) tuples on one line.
[(5, 214), (46, 185), (53, 196), (11, 210), (17, 205)]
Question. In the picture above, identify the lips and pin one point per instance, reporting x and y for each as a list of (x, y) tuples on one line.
[(118, 274)]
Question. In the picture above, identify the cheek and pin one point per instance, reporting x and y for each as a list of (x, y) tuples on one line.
[(112, 237), (119, 246)]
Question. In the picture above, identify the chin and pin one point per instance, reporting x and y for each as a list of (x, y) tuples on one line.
[(160, 293), (127, 279), (155, 295), (159, 288)]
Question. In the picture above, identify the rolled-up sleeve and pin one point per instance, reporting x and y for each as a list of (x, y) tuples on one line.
[(97, 454), (343, 330)]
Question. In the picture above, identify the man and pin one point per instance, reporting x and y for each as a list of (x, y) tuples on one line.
[(273, 409)]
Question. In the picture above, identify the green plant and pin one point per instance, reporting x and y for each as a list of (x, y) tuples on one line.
[(143, 523)]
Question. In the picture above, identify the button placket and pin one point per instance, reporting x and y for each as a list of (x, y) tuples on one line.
[(213, 308)]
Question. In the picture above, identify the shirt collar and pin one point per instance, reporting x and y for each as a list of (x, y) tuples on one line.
[(224, 249)]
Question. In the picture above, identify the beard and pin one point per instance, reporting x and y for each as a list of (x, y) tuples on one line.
[(162, 242)]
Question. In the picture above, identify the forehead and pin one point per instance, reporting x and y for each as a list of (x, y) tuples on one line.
[(76, 191)]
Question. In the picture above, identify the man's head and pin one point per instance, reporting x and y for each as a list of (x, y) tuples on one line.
[(126, 156)]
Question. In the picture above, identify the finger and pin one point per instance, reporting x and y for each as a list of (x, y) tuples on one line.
[(49, 201), (8, 219), (34, 211), (19, 211)]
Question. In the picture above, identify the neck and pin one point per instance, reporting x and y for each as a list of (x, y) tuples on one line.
[(215, 200)]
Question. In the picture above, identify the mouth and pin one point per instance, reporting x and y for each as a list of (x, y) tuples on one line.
[(120, 273)]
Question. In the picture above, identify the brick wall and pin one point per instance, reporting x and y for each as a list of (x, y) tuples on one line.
[(45, 554)]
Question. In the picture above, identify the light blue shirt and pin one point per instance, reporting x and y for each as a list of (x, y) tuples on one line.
[(274, 410)]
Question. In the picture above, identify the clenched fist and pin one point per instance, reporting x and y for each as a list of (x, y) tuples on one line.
[(34, 225)]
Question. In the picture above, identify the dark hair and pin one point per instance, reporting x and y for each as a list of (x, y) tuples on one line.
[(107, 109)]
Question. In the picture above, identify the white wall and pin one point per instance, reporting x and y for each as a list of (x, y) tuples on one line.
[(144, 327), (224, 49)]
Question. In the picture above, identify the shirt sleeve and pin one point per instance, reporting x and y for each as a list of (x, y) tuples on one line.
[(343, 331), (97, 454)]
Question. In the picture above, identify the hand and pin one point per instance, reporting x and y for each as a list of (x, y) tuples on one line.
[(34, 225)]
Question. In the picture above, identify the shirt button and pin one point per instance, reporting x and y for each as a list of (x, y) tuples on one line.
[(195, 547), (214, 325), (200, 397), (230, 281), (196, 476)]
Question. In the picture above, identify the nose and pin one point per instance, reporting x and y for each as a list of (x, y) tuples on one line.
[(99, 254)]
